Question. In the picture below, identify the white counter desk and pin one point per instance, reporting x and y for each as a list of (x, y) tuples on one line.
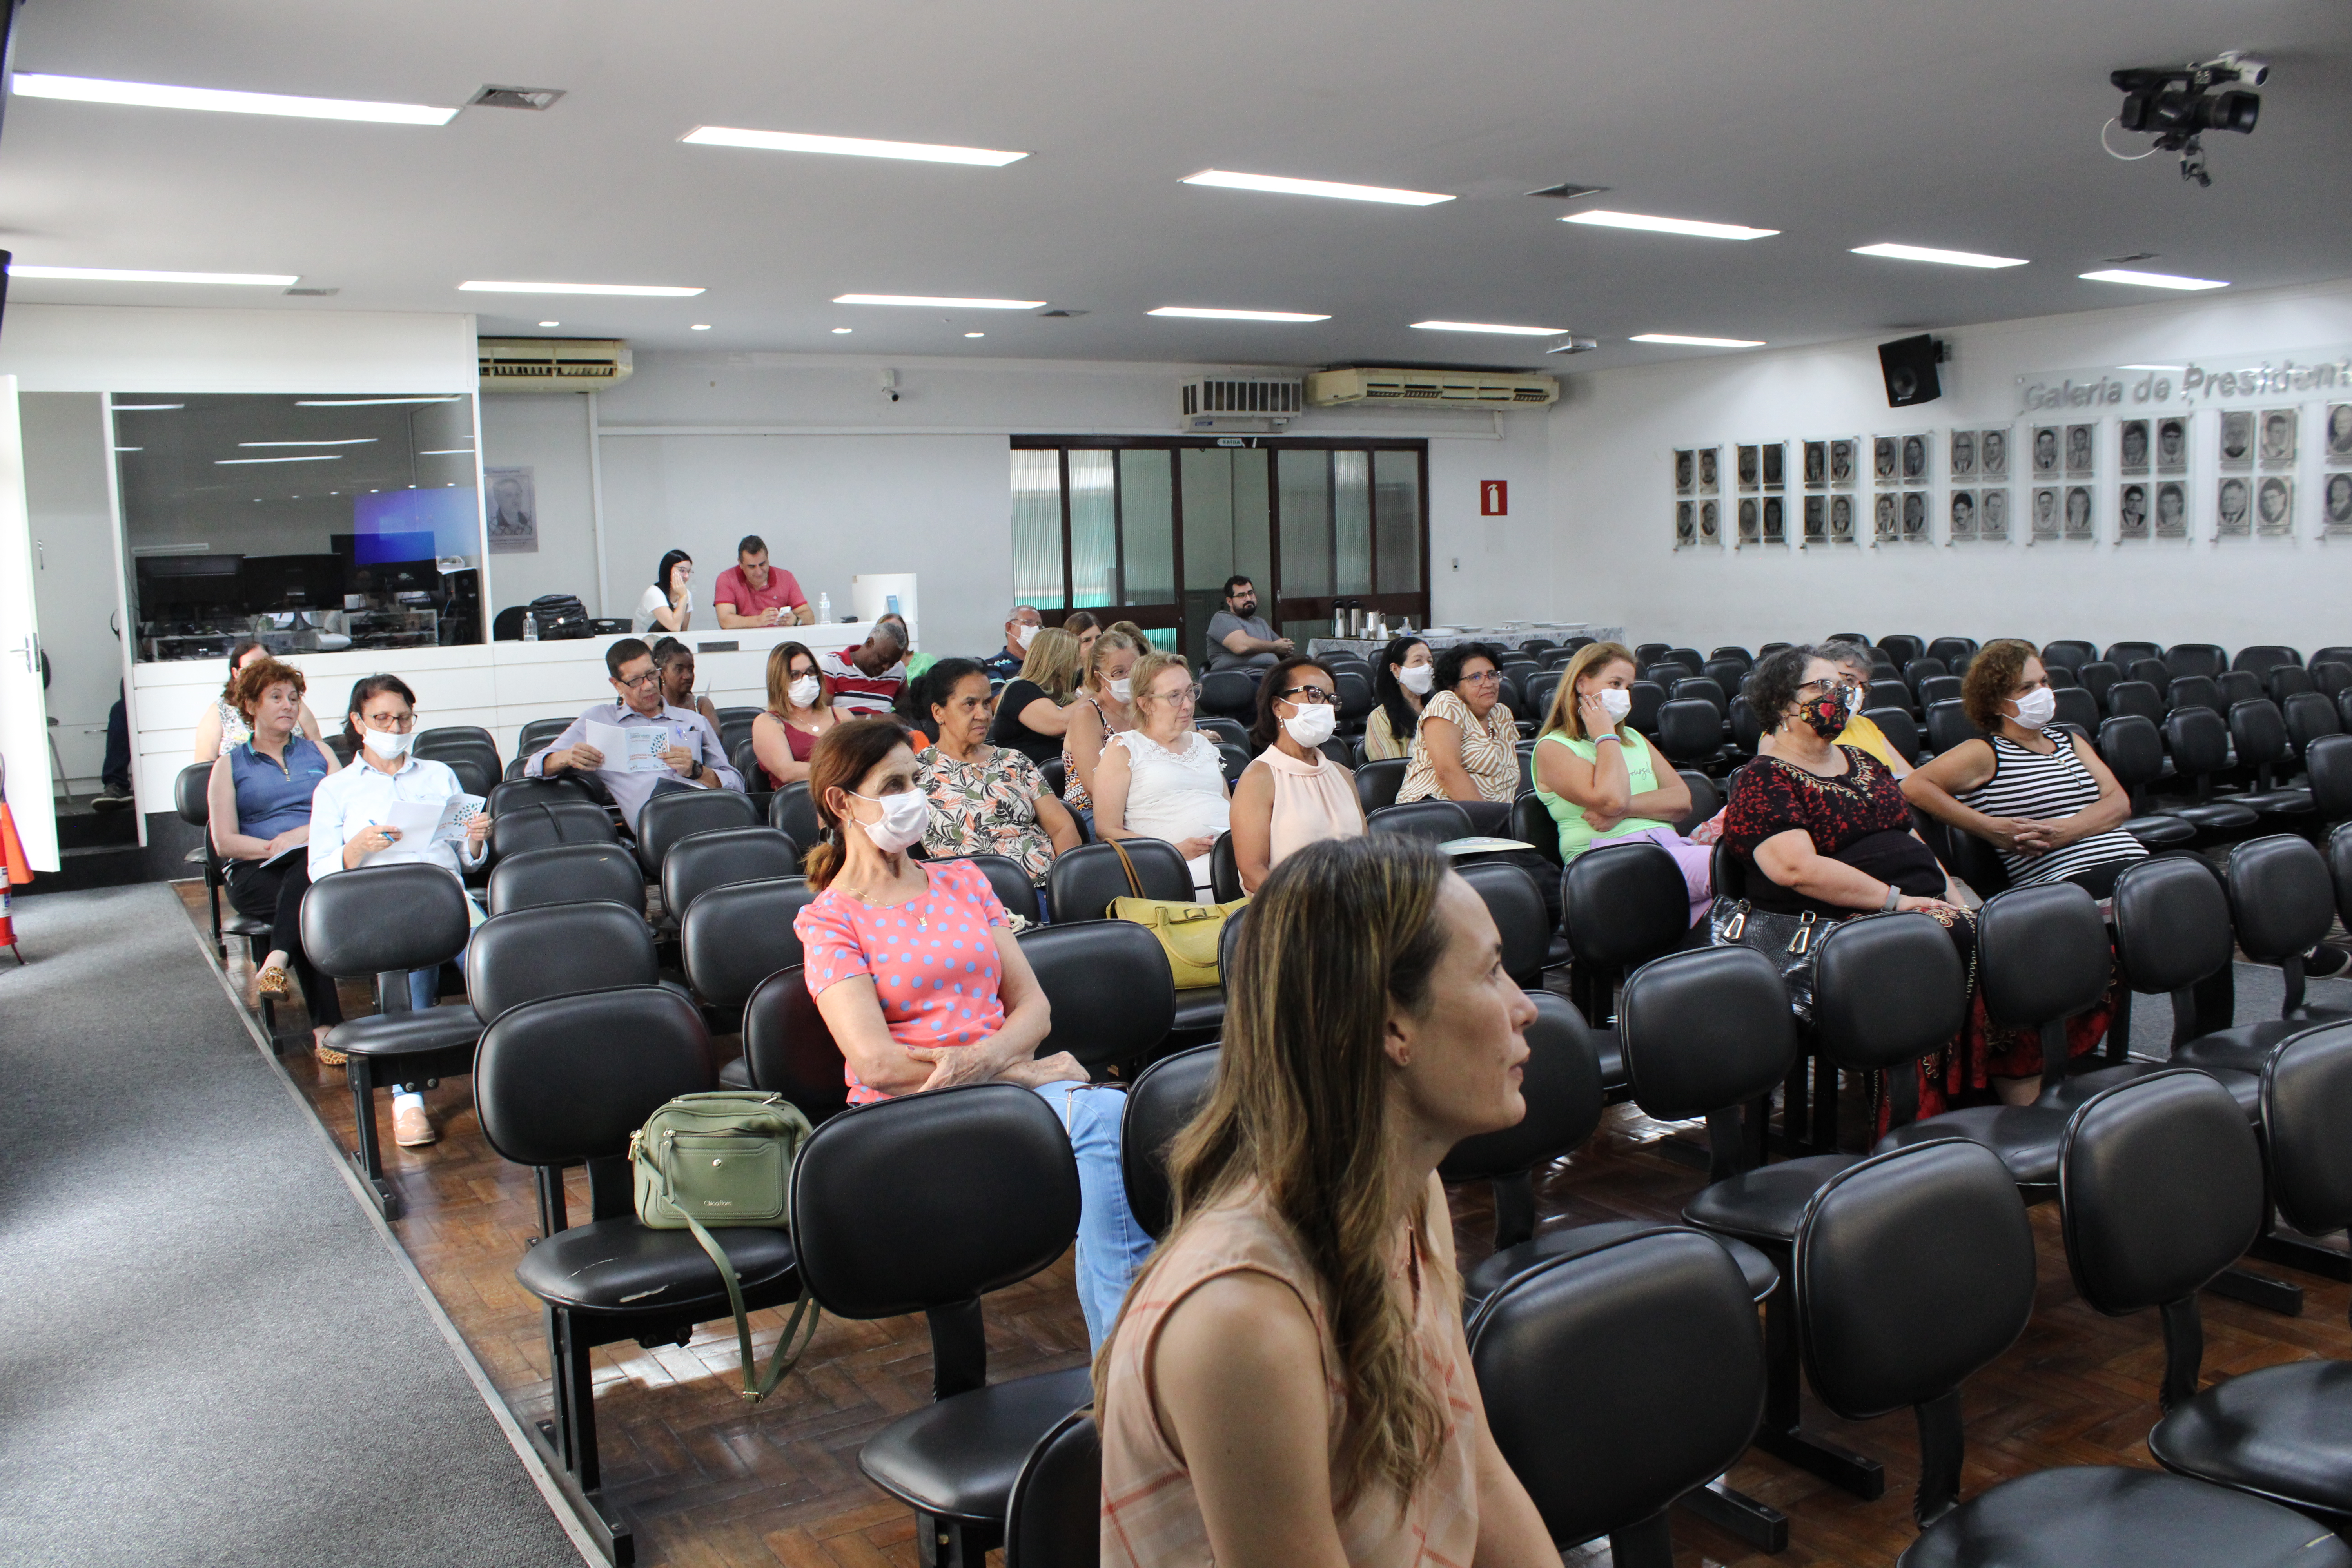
[(499, 686)]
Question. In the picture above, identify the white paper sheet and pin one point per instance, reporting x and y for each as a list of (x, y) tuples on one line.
[(631, 748)]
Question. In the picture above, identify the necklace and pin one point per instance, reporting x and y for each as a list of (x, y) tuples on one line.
[(922, 921)]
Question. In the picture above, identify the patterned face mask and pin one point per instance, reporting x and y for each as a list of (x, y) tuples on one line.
[(1825, 713)]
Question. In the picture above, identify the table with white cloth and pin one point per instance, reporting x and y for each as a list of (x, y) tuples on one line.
[(1443, 637)]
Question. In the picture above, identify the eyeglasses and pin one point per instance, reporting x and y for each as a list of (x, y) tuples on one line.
[(1484, 677), (1308, 694), (650, 678), (1187, 695), (400, 726)]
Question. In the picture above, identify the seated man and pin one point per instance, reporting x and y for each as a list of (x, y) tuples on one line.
[(1020, 631), (695, 758), (753, 593), (1239, 637), (866, 679)]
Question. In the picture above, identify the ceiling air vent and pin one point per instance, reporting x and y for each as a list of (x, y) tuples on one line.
[(515, 98), (1247, 403), (552, 364), (1432, 388)]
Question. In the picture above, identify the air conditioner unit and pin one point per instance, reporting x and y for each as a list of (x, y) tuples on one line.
[(552, 364), (1432, 388), (1246, 404)]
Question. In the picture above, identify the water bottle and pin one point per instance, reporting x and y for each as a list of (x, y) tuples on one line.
[(530, 626), (824, 606)]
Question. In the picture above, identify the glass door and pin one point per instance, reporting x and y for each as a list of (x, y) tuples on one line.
[(24, 710)]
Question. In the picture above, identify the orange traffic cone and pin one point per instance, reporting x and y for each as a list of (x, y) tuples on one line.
[(12, 860)]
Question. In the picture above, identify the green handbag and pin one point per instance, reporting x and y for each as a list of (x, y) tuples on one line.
[(1188, 933), (707, 1161)]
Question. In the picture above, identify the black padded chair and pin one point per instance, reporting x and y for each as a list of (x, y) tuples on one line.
[(1701, 689), (2332, 678), (2099, 678), (1647, 697), (791, 810), (1057, 777), (1690, 731), (1435, 821), (1113, 999), (788, 1048), (540, 824), (2327, 769), (673, 814), (1233, 760), (1230, 694), (1531, 822), (1622, 905), (2124, 654), (1921, 669), (1728, 674), (538, 734), (717, 856), (1007, 880), (998, 1201), (1948, 724), (1887, 990), (1666, 671), (1651, 652), (2134, 752), (386, 921), (2258, 737), (2309, 717), (193, 806), (558, 949), (2262, 658), (2135, 699), (1082, 883), (1689, 658), (1224, 872), (1054, 1517), (566, 1081), (2287, 680), (1223, 731), (2237, 686), (1165, 1098), (2198, 742), (1705, 801), (1355, 689), (514, 795), (1937, 689), (2078, 709), (1537, 695), (735, 936), (1378, 781), (1902, 731), (567, 874), (1887, 694), (2281, 901), (2068, 653), (1657, 1333), (2203, 658), (2151, 671), (2193, 691), (1517, 905), (1902, 648)]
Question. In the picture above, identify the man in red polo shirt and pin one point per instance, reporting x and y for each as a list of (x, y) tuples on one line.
[(753, 593)]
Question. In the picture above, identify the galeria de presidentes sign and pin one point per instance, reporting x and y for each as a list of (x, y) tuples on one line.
[(2211, 382)]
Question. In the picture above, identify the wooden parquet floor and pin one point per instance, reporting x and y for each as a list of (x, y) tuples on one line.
[(713, 1485)]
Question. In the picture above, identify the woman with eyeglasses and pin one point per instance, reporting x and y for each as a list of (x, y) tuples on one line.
[(1164, 779), (1292, 794), (1467, 749)]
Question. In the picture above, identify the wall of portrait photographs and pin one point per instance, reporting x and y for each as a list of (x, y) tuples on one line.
[(2119, 479)]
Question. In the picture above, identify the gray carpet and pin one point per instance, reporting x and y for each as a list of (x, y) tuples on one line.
[(208, 1354)]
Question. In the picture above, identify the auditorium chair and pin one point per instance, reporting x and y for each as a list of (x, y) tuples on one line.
[(1666, 671), (1054, 1518), (1887, 694), (713, 858), (1902, 648), (2122, 654), (2258, 740), (1939, 689), (1728, 674), (1948, 724), (2068, 653), (735, 936), (386, 920), (2079, 709), (1916, 1269), (191, 800), (567, 874), (2193, 691), (1224, 872), (2263, 658), (556, 951), (2154, 671), (1229, 694), (618, 1056), (2332, 678), (672, 815), (1107, 981), (789, 1049), (2059, 678), (2198, 744), (1651, 652), (1433, 821), (1057, 779), (1517, 905), (2134, 752), (1702, 689), (2342, 655), (2309, 716), (1648, 696), (1378, 781), (2098, 679), (1233, 759), (1747, 730), (2196, 658), (1083, 882), (1705, 801), (1732, 653), (1902, 731), (996, 1203), (1622, 905), (1540, 694), (1165, 1098), (539, 734), (1919, 670), (2286, 681), (1557, 658), (1954, 652), (1689, 658), (1223, 731), (1648, 1424), (1691, 733), (791, 810), (1766, 650), (513, 794), (2327, 769), (2237, 686), (538, 824), (1007, 880)]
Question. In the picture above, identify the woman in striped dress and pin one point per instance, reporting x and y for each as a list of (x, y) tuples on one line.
[(2040, 796)]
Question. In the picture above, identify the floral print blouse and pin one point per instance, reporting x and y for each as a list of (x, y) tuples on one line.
[(988, 807)]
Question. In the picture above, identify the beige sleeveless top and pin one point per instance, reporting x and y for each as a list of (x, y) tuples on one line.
[(1150, 1516), (1311, 801)]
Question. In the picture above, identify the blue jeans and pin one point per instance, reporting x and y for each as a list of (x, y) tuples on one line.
[(1111, 1245), (425, 985)]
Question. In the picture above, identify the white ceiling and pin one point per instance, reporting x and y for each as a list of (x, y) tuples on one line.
[(1964, 123)]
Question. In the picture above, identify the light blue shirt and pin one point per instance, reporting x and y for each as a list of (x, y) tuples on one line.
[(359, 797), (631, 791)]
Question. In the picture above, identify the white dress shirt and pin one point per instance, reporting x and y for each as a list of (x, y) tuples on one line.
[(352, 799)]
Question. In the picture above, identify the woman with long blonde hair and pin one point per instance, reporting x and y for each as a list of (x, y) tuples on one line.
[(1602, 780), (1033, 712), (1288, 1382), (1105, 707)]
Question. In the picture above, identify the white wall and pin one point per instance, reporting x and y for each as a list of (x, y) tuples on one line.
[(73, 571), (1614, 433)]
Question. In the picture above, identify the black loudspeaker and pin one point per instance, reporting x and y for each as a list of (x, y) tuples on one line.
[(1909, 366)]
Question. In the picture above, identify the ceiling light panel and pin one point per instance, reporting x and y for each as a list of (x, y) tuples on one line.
[(344, 441), (368, 401), (319, 458), (1208, 313), (2152, 279), (1942, 258), (221, 101), (1489, 327), (847, 146), (1682, 339), (943, 303), (1601, 217), (1281, 186), (136, 275), (640, 290)]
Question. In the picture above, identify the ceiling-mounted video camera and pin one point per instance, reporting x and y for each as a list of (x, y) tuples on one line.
[(2176, 104)]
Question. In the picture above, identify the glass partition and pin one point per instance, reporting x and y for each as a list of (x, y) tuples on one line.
[(308, 522)]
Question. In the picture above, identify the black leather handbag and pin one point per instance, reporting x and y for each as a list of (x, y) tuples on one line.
[(1789, 940)]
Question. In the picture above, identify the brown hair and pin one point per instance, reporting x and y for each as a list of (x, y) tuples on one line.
[(237, 650), (780, 674), (1053, 663), (1589, 659), (1992, 675), (1078, 623), (843, 754), (258, 678), (1343, 930)]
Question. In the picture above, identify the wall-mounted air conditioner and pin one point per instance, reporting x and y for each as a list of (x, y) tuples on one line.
[(552, 364), (1432, 388), (1246, 404)]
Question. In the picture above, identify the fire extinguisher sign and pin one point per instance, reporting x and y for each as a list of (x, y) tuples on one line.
[(1493, 498)]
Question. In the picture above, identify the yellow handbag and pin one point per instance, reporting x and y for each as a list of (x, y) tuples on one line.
[(1188, 933)]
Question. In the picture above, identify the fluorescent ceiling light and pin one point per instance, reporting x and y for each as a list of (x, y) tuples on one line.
[(1602, 218), (344, 441), (449, 452), (154, 95), (131, 448), (975, 334), (1946, 257), (1282, 186), (847, 146), (366, 401), (2152, 279), (649, 291), (133, 275), (2176, 369), (1489, 327), (699, 327), (838, 332), (321, 458), (146, 407), (1686, 340), (551, 323), (1205, 313), (938, 301)]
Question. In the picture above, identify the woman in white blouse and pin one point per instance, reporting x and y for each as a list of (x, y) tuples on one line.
[(1163, 779), (668, 605)]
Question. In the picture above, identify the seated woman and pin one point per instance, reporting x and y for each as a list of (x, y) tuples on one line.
[(1104, 708), (1033, 712), (2040, 796), (1289, 1383), (674, 662), (1404, 676), (985, 800), (885, 999), (348, 830), (1083, 625), (1292, 794), (1467, 748), (1602, 782), (800, 711), (1164, 779), (668, 605), (258, 800), (221, 727)]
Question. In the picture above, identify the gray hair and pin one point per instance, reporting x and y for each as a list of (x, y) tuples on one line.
[(1850, 654)]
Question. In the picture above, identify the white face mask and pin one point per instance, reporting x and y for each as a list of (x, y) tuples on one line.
[(804, 691), (1312, 724), (1416, 678), (384, 744), (2036, 708), (904, 818), (1122, 691), (1616, 703), (1027, 635)]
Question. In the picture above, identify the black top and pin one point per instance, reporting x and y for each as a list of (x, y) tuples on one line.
[(1007, 730)]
